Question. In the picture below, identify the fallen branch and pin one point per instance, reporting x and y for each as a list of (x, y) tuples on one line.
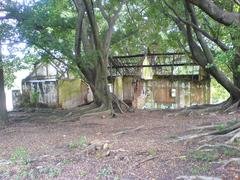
[(128, 130), (146, 160)]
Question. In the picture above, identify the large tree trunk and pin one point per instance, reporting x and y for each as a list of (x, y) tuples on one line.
[(3, 109), (101, 93), (203, 55), (236, 68)]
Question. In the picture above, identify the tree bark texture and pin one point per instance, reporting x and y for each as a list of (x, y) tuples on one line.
[(3, 109)]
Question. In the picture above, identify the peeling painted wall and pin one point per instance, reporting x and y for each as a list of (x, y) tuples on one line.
[(73, 93), (46, 90), (118, 87), (163, 93)]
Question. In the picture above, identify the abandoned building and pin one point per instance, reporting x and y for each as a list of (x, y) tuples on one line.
[(170, 80), (55, 89)]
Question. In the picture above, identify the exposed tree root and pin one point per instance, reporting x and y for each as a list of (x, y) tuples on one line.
[(235, 138), (226, 130), (91, 109), (204, 128), (85, 111), (197, 178), (101, 113), (225, 135), (87, 107), (233, 107), (222, 138), (219, 147), (227, 106), (227, 162), (101, 110), (191, 137)]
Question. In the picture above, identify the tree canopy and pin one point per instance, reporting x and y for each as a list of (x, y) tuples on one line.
[(82, 34)]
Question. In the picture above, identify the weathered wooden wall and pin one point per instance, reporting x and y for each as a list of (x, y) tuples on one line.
[(47, 91)]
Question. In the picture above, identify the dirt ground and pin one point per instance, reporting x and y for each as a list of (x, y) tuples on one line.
[(142, 145)]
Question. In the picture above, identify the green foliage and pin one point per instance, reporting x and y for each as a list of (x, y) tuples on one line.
[(72, 145), (218, 93), (152, 152), (48, 27), (34, 98), (80, 143), (51, 171), (197, 170), (221, 127), (83, 173), (89, 59), (232, 123), (230, 153), (208, 66), (104, 172), (206, 156), (20, 155)]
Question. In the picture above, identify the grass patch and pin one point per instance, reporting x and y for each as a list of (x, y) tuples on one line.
[(230, 153), (206, 156), (221, 127), (197, 170), (20, 155), (104, 172), (80, 143), (82, 173), (232, 123), (72, 145), (51, 171), (152, 152)]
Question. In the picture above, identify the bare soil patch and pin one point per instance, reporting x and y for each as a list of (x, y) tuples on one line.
[(140, 145)]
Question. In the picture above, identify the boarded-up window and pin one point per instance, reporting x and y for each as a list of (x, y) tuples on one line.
[(162, 92)]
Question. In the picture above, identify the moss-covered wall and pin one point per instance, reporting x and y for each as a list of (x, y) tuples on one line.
[(118, 87), (72, 93)]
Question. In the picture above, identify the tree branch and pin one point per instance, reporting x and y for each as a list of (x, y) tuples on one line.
[(93, 25), (237, 2), (111, 22), (196, 27), (203, 44), (102, 10), (218, 14)]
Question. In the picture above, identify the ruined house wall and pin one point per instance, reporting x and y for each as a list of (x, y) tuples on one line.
[(163, 93), (128, 89), (63, 93), (45, 90), (73, 93), (118, 87)]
